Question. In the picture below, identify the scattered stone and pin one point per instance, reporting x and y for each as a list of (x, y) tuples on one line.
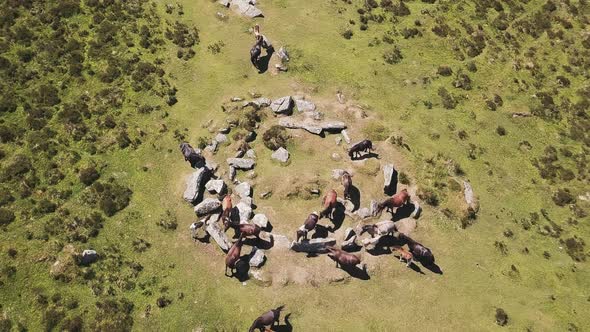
[(217, 234), (257, 257), (304, 105), (340, 97), (245, 210), (314, 191), (406, 226), (282, 105), (338, 140), (388, 171), (241, 163), (232, 173), (260, 220), (344, 134), (337, 173), (281, 154), (207, 206), (243, 189), (88, 257), (215, 186), (364, 213), (220, 138), (318, 245), (335, 156), (251, 154), (194, 184), (245, 8), (501, 317)]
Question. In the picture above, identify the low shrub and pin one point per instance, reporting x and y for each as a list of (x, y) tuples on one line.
[(275, 137), (393, 56)]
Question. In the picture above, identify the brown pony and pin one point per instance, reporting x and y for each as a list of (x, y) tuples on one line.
[(400, 199), (347, 183), (307, 226), (420, 252), (245, 230), (268, 318), (329, 203), (343, 258), (405, 255), (233, 255), (226, 207)]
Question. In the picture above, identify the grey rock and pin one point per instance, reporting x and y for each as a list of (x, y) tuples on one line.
[(304, 105), (335, 156), (333, 125), (314, 191), (318, 245), (194, 185), (221, 138), (373, 207), (282, 105), (337, 173), (236, 99), (260, 220), (232, 173), (213, 166), (245, 212), (207, 206), (350, 244), (88, 257), (258, 103), (239, 154), (283, 54), (257, 257), (417, 210), (218, 235), (469, 195), (248, 201), (281, 154), (388, 171), (243, 189), (212, 147), (241, 163), (244, 8), (215, 186), (371, 243), (344, 134), (364, 213), (251, 154), (406, 226)]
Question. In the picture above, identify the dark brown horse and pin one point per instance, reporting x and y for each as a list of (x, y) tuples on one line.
[(226, 208), (347, 183), (362, 146), (398, 200), (190, 155), (419, 251), (245, 230), (307, 226), (329, 204), (343, 258), (267, 319), (233, 255), (255, 52)]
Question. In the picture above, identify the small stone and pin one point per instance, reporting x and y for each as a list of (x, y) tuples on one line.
[(212, 147), (236, 99), (338, 140), (250, 137), (281, 154), (207, 206), (344, 134), (221, 138), (215, 186), (251, 154), (335, 156), (88, 257), (243, 189), (469, 195), (260, 220), (314, 191), (257, 257)]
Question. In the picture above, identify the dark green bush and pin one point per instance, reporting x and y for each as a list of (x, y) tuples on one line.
[(429, 196), (347, 33), (448, 100), (168, 221), (444, 71), (563, 197), (501, 131), (393, 56), (275, 137), (6, 216), (113, 315), (88, 175)]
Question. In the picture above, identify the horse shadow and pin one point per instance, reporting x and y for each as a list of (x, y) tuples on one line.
[(356, 272), (320, 232), (403, 212), (338, 216), (259, 243), (355, 197), (367, 156), (264, 61), (384, 245), (391, 188), (242, 268), (432, 267), (287, 327), (416, 268)]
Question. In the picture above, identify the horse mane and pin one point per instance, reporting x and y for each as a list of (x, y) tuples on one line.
[(279, 308)]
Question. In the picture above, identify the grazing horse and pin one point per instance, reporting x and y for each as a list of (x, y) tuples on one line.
[(225, 215), (233, 255), (405, 255), (255, 52), (329, 204), (267, 319), (245, 230), (307, 226), (419, 251), (398, 200), (347, 183), (381, 228), (343, 258), (190, 155), (362, 146)]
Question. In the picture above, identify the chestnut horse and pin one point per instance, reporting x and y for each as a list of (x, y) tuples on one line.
[(419, 251), (267, 319), (381, 228), (398, 200), (405, 255), (233, 255), (347, 183), (226, 208), (307, 226), (329, 204), (343, 258), (245, 230), (362, 146)]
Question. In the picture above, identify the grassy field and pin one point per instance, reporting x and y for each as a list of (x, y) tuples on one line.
[(542, 289)]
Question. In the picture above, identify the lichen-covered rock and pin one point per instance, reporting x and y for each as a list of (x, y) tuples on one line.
[(251, 154), (207, 206), (304, 105), (260, 220), (257, 257), (245, 211), (194, 185), (281, 154), (388, 171), (282, 105), (344, 134), (217, 234), (215, 186), (243, 189), (241, 163)]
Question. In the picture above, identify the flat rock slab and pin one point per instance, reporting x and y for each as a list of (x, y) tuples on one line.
[(282, 105), (218, 235), (241, 163), (314, 127), (388, 171), (313, 245), (260, 220), (281, 154), (257, 257), (194, 184), (304, 105), (469, 195), (364, 213), (258, 103), (245, 210), (279, 241), (243, 189), (207, 206), (245, 8), (344, 134), (406, 226), (215, 186)]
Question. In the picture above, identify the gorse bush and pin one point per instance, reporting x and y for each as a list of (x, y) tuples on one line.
[(276, 137)]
